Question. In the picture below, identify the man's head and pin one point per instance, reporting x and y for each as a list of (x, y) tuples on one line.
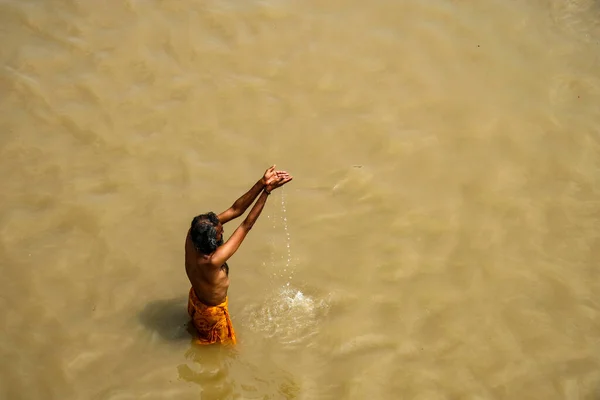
[(206, 233)]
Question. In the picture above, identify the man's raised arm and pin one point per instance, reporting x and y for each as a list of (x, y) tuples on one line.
[(227, 249), (241, 205)]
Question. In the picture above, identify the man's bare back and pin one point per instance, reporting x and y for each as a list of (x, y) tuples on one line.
[(209, 284), (205, 253)]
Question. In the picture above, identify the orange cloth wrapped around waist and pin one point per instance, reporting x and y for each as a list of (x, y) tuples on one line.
[(212, 322)]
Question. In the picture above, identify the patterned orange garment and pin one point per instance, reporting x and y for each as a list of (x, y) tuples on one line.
[(212, 322)]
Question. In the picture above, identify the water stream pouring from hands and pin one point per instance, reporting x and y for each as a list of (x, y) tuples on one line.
[(288, 315)]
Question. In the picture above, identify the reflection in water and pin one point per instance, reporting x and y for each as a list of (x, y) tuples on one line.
[(209, 367), (223, 373)]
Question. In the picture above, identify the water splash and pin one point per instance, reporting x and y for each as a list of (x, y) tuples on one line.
[(289, 316)]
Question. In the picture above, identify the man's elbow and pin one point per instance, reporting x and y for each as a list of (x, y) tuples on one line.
[(246, 226), (236, 211), (231, 213)]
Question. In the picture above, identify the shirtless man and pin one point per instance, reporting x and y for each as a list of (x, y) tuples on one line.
[(206, 259)]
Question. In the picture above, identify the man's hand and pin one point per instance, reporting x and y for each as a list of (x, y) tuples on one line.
[(280, 179), (269, 175), (272, 178)]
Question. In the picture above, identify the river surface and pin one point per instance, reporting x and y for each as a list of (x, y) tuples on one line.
[(440, 239)]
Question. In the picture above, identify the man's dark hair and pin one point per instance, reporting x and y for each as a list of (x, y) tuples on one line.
[(203, 233)]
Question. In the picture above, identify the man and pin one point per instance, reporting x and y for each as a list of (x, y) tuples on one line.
[(206, 259)]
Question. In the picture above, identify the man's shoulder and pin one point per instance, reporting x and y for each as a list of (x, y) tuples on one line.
[(203, 263)]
